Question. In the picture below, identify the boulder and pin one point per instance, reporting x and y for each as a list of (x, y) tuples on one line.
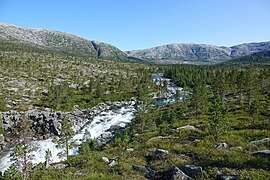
[(222, 145), (129, 149), (59, 166), (262, 153), (179, 175), (2, 141), (78, 173), (146, 170), (105, 159), (221, 176), (187, 127), (112, 161), (259, 142), (192, 171), (158, 152)]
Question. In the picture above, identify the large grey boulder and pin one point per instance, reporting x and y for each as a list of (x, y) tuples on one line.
[(259, 142), (179, 175), (221, 176), (159, 152), (2, 141), (192, 171), (262, 153), (112, 161), (222, 145), (190, 127), (146, 170)]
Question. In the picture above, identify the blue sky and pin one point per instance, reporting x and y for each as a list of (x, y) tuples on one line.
[(138, 24)]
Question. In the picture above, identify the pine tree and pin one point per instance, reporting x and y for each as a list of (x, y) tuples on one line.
[(199, 98), (22, 153), (217, 119), (66, 135), (48, 158)]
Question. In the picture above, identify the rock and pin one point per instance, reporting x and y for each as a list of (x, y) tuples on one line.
[(147, 171), (158, 152), (179, 175), (75, 86), (59, 166), (226, 177), (2, 141), (78, 173), (105, 159), (112, 161), (222, 145), (236, 148), (106, 135), (192, 171), (259, 142), (186, 127), (129, 149), (221, 176), (262, 153)]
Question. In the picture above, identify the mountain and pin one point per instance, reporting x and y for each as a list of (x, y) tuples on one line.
[(60, 42), (196, 53), (261, 57)]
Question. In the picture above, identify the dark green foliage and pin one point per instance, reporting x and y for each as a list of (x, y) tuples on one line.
[(217, 118), (66, 135), (223, 104), (261, 58)]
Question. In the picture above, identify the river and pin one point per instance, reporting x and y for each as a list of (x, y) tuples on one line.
[(98, 126)]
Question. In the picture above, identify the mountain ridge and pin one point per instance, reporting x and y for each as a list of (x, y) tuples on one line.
[(61, 41), (181, 52)]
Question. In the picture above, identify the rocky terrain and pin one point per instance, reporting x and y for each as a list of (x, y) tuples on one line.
[(60, 42), (261, 58), (196, 53)]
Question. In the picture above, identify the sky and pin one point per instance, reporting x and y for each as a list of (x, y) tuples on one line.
[(139, 24)]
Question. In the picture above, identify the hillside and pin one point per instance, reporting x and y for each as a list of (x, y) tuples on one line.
[(196, 53), (260, 58), (60, 42)]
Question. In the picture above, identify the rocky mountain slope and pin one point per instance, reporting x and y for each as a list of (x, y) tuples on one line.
[(195, 53), (61, 42), (261, 57)]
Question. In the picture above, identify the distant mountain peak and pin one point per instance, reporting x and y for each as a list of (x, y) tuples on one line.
[(182, 52)]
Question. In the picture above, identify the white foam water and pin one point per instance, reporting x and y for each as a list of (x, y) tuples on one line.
[(99, 125)]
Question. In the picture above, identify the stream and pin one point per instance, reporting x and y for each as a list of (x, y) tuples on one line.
[(100, 124)]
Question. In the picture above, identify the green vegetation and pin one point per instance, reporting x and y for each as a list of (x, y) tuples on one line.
[(261, 58), (224, 104)]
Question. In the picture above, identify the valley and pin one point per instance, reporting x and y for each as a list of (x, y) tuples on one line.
[(72, 108)]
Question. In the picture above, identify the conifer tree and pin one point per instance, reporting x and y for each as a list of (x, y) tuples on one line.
[(66, 135), (217, 119), (199, 98), (22, 153)]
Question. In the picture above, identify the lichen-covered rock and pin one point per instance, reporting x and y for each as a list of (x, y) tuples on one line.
[(259, 142), (179, 175), (2, 141), (222, 145), (192, 171), (146, 170), (262, 153)]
